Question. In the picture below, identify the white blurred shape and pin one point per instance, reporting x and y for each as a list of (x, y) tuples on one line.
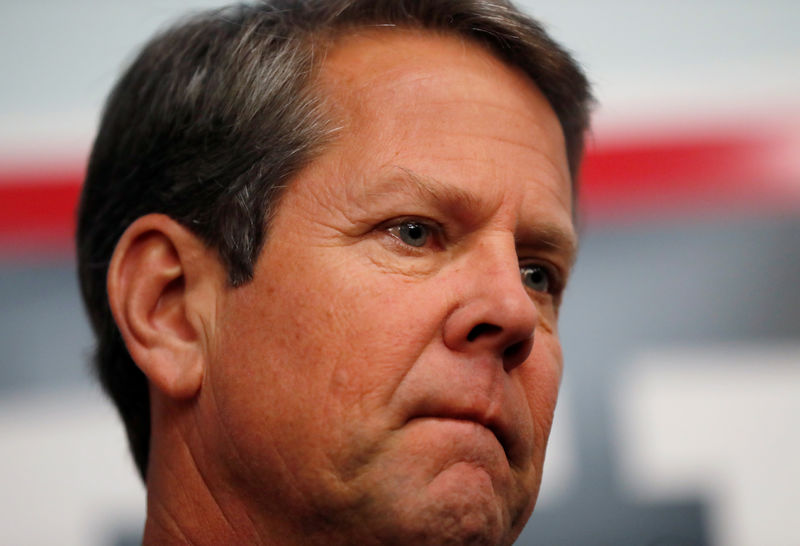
[(560, 465), (65, 474), (722, 424)]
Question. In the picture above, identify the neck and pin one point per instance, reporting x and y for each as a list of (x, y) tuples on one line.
[(191, 499), (187, 501)]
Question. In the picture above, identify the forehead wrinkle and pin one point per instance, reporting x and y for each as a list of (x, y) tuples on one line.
[(565, 201), (493, 103), (428, 189), (528, 145)]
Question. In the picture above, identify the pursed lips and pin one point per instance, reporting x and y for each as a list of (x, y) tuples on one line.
[(491, 420)]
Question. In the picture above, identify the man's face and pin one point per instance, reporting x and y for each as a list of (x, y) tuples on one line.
[(393, 367)]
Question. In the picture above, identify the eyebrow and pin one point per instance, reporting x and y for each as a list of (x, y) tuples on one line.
[(539, 235), (550, 237), (425, 188)]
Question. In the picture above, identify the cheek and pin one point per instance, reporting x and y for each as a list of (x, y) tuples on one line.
[(389, 324), (269, 394), (541, 378), (340, 337), (271, 359)]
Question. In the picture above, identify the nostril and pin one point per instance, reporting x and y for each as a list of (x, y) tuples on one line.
[(482, 329), (513, 350), (517, 353), (521, 347)]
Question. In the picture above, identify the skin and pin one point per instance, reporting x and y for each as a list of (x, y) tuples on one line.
[(362, 389)]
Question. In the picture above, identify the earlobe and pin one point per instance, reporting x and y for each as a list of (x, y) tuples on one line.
[(159, 294)]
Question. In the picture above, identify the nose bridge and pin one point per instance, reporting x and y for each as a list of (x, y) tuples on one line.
[(495, 314), (500, 283), (496, 257)]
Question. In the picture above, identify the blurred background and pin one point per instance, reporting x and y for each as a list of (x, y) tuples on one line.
[(679, 420)]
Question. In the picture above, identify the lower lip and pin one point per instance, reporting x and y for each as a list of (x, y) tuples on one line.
[(457, 431)]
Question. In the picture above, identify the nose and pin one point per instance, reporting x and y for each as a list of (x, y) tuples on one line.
[(494, 314)]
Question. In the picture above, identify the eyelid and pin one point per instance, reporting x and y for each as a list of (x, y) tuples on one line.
[(397, 220)]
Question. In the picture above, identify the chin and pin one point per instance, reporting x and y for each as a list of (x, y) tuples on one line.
[(459, 506)]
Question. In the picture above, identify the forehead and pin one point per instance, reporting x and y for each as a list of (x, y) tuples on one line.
[(399, 66), (446, 107)]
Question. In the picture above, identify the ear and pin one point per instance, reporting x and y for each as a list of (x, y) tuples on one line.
[(162, 286)]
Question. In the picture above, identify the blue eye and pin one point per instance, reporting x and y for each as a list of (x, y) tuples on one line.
[(535, 277), (412, 233)]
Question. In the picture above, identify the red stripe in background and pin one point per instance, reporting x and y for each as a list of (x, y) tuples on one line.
[(672, 177), (622, 179), (37, 209)]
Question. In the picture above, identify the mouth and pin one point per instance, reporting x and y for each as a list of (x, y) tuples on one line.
[(491, 423)]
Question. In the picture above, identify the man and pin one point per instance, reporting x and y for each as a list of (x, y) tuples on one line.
[(323, 247)]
